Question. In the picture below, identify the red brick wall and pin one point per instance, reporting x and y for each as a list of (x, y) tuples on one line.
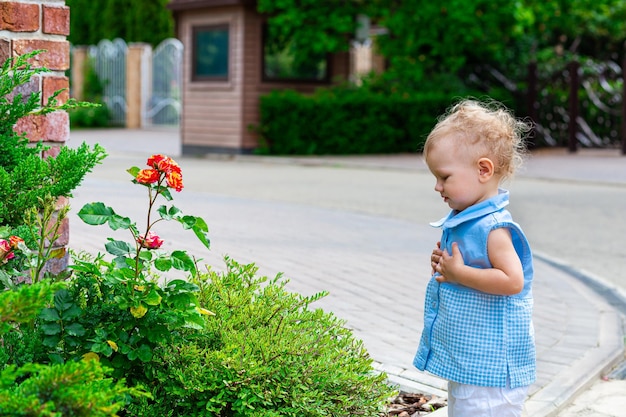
[(41, 24)]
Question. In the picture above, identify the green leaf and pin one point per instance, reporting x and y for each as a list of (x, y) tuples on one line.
[(75, 329), (55, 358), (145, 255), (181, 301), (49, 314), (153, 298), (144, 353), (120, 264), (72, 312), (51, 329), (195, 321), (182, 261), (165, 192), (174, 212), (162, 210), (169, 214), (95, 213), (201, 230), (52, 340), (119, 222), (133, 171), (163, 264), (5, 232), (179, 285), (102, 347), (118, 248), (188, 221), (63, 300)]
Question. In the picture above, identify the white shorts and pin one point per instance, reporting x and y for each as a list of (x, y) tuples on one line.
[(474, 401)]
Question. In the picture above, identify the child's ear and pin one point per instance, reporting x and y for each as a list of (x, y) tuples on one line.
[(486, 169)]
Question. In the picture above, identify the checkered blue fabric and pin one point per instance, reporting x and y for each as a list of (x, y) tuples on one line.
[(471, 337)]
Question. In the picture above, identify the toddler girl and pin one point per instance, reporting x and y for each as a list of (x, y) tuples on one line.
[(478, 332)]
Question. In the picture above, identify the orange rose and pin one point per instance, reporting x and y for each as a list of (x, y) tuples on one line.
[(155, 160), (147, 176), (174, 180), (14, 241), (163, 163)]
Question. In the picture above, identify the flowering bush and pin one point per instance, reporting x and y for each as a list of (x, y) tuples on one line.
[(266, 353), (121, 310), (163, 173)]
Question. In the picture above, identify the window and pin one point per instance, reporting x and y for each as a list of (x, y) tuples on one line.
[(280, 63), (210, 53)]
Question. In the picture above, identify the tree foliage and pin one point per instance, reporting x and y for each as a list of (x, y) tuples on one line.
[(311, 27), (429, 43), (132, 20)]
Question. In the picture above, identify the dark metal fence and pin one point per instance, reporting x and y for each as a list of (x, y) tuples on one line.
[(580, 104)]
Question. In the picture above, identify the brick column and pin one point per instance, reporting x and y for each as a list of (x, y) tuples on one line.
[(42, 24)]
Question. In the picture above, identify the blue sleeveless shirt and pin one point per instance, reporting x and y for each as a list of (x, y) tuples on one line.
[(469, 336)]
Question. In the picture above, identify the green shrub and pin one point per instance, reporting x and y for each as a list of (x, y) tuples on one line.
[(346, 121), (25, 177), (29, 188), (266, 352), (80, 388)]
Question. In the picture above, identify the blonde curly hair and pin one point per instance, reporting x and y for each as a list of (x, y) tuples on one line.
[(484, 129)]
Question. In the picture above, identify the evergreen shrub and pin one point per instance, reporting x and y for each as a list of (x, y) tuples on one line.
[(26, 177), (346, 121), (266, 353)]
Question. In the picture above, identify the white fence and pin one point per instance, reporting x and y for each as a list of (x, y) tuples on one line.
[(109, 59), (160, 80), (165, 104)]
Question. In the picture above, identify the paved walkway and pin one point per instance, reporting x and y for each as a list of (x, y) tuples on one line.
[(358, 228)]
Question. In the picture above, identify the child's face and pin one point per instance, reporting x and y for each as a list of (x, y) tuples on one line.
[(457, 174)]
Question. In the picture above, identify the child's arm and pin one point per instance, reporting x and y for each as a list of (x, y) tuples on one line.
[(506, 277)]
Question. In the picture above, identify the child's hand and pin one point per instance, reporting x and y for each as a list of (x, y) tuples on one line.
[(448, 265), (435, 257)]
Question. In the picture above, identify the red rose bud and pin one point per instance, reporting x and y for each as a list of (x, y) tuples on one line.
[(150, 241), (5, 251), (174, 180), (148, 176)]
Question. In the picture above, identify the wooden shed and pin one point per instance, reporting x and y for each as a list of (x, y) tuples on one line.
[(227, 66)]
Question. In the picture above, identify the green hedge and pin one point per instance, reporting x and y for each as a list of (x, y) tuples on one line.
[(346, 121)]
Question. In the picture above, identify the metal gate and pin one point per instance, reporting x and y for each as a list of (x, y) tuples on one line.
[(109, 60), (164, 105)]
